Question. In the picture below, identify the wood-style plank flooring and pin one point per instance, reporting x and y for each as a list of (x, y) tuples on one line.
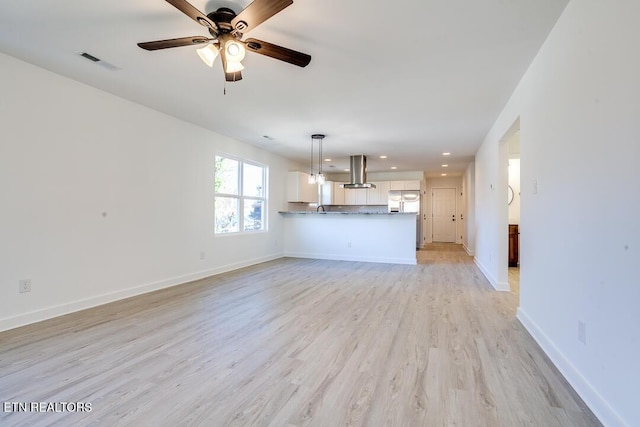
[(296, 342), (514, 280)]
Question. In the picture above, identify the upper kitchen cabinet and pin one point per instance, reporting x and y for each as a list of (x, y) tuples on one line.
[(380, 194), (331, 193), (412, 185), (299, 189), (405, 185)]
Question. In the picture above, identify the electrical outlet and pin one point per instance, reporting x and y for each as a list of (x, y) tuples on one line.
[(582, 332), (202, 255), (24, 286)]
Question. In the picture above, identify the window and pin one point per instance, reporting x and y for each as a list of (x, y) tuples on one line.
[(240, 196)]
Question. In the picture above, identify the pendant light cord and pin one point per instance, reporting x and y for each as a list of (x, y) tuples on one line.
[(311, 159)]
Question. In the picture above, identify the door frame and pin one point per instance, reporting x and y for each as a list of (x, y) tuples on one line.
[(455, 209)]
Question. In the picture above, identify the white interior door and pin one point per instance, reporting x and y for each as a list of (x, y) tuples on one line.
[(443, 213)]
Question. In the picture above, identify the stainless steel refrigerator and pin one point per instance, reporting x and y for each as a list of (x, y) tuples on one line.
[(407, 201)]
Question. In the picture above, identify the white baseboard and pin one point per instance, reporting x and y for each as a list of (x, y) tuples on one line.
[(71, 307), (467, 250), (589, 395), (498, 286), (333, 257)]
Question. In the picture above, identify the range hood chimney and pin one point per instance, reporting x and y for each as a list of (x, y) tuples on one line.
[(358, 169)]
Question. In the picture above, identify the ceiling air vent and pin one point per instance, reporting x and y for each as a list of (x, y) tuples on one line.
[(99, 61), (90, 57)]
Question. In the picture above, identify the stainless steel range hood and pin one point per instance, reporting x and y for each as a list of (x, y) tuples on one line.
[(358, 169)]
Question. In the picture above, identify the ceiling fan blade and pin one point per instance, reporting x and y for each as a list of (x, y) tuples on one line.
[(278, 52), (193, 13), (183, 41), (258, 12), (233, 77)]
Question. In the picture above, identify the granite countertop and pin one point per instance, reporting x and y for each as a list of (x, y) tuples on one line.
[(346, 213)]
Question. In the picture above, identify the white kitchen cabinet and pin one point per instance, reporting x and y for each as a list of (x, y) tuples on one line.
[(361, 196), (331, 193), (412, 185), (405, 185), (326, 193), (350, 196), (299, 189), (396, 185), (355, 196), (338, 193), (378, 195)]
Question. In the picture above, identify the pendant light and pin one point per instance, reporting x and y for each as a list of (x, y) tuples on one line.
[(312, 177), (319, 137)]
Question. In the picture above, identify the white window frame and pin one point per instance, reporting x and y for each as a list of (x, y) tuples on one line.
[(242, 198)]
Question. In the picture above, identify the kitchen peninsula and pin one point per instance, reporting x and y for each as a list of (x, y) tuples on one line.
[(351, 236)]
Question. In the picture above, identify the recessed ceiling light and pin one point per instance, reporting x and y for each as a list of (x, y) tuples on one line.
[(267, 137), (327, 160), (394, 167), (443, 174), (446, 154), (383, 157), (445, 166)]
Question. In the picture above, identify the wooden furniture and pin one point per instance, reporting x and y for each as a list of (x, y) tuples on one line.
[(514, 258)]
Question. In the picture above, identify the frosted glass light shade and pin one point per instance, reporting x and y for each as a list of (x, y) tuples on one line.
[(235, 51), (208, 54), (233, 67)]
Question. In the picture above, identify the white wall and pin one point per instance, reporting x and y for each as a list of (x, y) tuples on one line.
[(103, 199), (469, 211), (491, 231), (514, 182), (578, 106)]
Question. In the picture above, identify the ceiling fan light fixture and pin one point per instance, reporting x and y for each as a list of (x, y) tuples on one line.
[(234, 67), (235, 51), (208, 54)]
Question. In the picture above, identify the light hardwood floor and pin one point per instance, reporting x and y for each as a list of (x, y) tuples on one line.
[(296, 342), (514, 280)]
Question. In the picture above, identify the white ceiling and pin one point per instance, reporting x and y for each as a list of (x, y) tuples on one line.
[(408, 79)]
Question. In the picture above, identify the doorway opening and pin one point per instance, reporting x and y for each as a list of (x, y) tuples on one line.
[(513, 205)]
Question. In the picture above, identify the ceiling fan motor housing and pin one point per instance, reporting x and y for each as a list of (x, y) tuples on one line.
[(223, 17)]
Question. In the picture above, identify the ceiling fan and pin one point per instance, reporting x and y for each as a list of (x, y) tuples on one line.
[(226, 29)]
